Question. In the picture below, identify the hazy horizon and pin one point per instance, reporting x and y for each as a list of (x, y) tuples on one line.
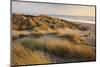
[(82, 13)]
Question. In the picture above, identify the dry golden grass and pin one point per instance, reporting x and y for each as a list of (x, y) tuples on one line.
[(65, 41), (28, 22), (23, 51), (71, 36), (61, 47), (23, 56), (74, 38)]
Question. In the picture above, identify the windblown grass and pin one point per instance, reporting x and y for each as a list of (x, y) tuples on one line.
[(23, 51), (23, 56), (43, 39)]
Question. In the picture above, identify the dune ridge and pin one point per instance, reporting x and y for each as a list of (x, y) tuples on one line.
[(43, 39)]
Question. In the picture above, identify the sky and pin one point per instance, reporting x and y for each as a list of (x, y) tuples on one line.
[(32, 8), (57, 9)]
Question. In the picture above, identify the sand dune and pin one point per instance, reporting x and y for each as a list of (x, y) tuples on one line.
[(43, 39)]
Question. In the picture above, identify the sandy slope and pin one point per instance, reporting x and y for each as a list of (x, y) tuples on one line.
[(53, 40)]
